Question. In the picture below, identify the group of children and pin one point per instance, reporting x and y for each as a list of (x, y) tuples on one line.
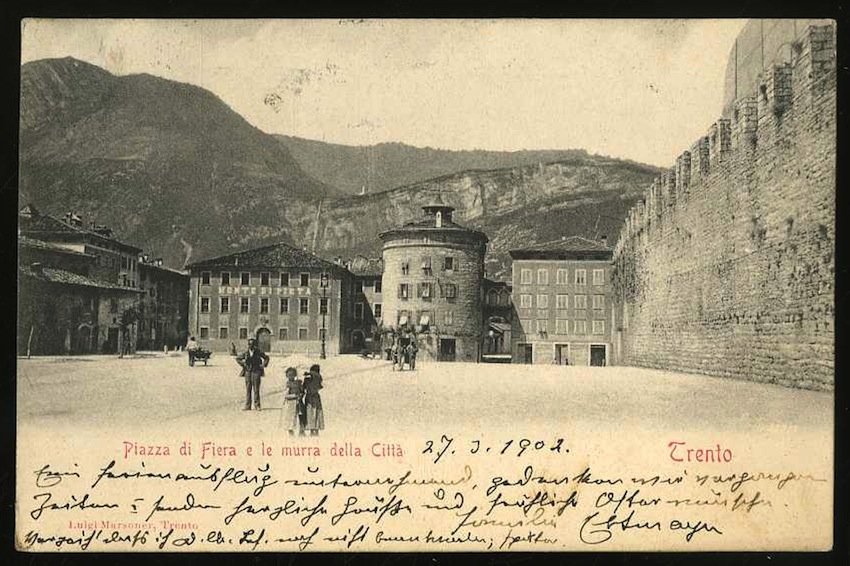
[(302, 404)]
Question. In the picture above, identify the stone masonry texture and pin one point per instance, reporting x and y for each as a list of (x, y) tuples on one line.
[(734, 275)]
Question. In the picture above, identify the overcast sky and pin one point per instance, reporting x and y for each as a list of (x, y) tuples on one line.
[(638, 89)]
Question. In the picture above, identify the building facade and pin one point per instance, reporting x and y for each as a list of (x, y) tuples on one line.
[(433, 272), (116, 262), (562, 296), (163, 306), (287, 298), (498, 317), (367, 303), (78, 286), (63, 310)]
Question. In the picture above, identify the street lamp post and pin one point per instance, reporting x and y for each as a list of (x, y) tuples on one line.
[(323, 282)]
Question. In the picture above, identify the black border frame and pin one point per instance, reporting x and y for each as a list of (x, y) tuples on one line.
[(12, 12)]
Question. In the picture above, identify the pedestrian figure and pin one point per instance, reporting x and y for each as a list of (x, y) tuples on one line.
[(253, 362), (293, 412), (191, 347), (405, 356), (412, 350), (395, 355), (313, 400)]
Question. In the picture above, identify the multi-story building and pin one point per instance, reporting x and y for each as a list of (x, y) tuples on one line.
[(562, 298), (164, 305), (62, 309), (78, 286), (289, 299), (498, 314), (367, 302), (433, 271), (116, 262)]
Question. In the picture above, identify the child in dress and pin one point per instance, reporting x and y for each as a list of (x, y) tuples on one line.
[(293, 405), (313, 400)]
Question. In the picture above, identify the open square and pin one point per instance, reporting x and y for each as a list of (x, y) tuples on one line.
[(361, 395)]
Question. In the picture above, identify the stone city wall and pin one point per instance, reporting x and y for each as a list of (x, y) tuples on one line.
[(726, 267)]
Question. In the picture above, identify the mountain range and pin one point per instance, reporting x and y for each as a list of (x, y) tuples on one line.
[(170, 167)]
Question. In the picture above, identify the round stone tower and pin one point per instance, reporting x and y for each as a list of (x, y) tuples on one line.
[(433, 272)]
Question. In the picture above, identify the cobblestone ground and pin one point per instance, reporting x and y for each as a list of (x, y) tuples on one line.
[(155, 390)]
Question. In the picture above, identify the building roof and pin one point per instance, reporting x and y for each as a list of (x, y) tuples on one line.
[(148, 265), (370, 266), (27, 242), (437, 218), (427, 225), (271, 256), (574, 247), (61, 276), (492, 284), (33, 223), (500, 327), (437, 203)]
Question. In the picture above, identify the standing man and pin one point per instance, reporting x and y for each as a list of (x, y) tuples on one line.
[(413, 349), (191, 347), (253, 362)]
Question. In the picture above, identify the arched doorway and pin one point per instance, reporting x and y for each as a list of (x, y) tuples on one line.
[(358, 340), (264, 339)]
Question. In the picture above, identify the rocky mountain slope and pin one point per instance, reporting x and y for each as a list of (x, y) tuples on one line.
[(173, 169), (516, 207), (384, 166), (168, 165)]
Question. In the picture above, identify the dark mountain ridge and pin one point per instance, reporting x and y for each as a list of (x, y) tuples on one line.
[(162, 161)]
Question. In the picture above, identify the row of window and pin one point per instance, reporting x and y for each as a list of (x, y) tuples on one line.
[(377, 310), (497, 298), (425, 290), (448, 264), (265, 279), (265, 302), (562, 326), (424, 318), (282, 334), (359, 283), (561, 277), (128, 263), (526, 301)]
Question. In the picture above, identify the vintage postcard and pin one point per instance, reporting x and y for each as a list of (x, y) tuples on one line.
[(426, 285)]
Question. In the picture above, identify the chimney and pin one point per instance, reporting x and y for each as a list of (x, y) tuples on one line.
[(604, 240)]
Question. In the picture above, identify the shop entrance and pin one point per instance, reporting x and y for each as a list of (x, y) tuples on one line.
[(597, 355), (264, 339), (562, 354), (448, 349)]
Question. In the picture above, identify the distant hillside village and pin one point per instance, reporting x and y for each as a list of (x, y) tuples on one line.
[(84, 291)]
